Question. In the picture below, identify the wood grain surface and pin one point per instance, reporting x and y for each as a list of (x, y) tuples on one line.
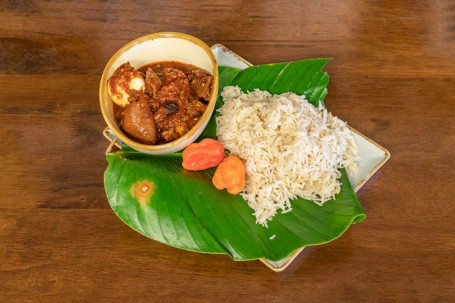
[(392, 77)]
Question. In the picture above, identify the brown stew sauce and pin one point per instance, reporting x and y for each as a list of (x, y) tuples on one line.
[(177, 95)]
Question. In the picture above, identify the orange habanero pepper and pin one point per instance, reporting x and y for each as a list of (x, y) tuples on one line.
[(230, 174), (205, 154)]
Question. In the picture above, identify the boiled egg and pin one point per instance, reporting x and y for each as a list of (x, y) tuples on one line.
[(124, 83)]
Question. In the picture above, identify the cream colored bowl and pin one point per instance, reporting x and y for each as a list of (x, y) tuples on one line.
[(166, 46)]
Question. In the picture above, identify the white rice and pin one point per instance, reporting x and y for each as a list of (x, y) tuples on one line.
[(290, 148)]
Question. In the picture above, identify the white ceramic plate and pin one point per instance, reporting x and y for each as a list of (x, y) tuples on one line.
[(373, 156)]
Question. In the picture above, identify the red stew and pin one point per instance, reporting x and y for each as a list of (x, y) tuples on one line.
[(176, 95)]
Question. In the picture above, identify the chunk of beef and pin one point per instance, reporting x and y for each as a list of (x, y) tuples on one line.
[(167, 115), (201, 83), (152, 82), (175, 75), (175, 132), (179, 81), (195, 109), (171, 122), (173, 93), (154, 104), (193, 112), (138, 121)]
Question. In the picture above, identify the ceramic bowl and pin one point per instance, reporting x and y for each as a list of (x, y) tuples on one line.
[(165, 46)]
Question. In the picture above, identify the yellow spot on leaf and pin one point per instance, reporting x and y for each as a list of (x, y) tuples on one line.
[(142, 191)]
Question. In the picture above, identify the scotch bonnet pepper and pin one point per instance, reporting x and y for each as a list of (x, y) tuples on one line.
[(230, 174), (205, 154)]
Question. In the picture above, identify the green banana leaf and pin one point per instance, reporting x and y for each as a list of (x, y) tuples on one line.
[(183, 209)]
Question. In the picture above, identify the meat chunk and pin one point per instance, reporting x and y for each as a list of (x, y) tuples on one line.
[(175, 75), (154, 104), (195, 109), (171, 121), (177, 84), (177, 130), (138, 121), (193, 112), (201, 83), (152, 82), (172, 93)]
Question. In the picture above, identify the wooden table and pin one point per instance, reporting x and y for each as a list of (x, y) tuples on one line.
[(392, 77)]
